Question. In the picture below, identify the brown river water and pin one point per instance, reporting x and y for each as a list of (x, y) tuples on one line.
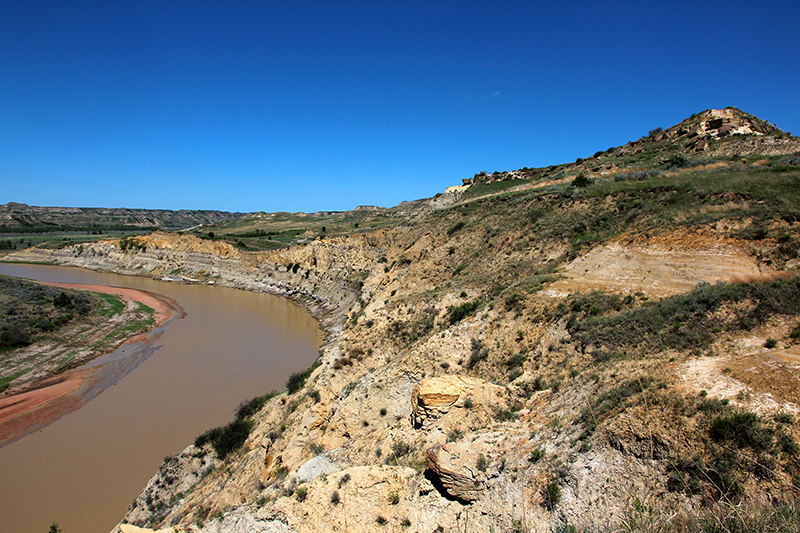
[(84, 469)]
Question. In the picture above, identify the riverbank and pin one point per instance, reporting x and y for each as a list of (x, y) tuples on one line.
[(44, 398)]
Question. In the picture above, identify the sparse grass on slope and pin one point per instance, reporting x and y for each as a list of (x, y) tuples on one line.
[(689, 321)]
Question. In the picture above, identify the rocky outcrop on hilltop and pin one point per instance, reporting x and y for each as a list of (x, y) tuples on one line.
[(742, 133)]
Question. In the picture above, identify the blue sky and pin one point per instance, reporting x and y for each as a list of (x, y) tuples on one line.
[(309, 106)]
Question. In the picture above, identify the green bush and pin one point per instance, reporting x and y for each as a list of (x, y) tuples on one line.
[(229, 438), (551, 495), (298, 379), (477, 354), (251, 407), (457, 226), (14, 334), (458, 313), (743, 430), (226, 439), (581, 181)]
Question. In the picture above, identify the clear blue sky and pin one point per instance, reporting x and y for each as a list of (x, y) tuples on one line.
[(309, 106)]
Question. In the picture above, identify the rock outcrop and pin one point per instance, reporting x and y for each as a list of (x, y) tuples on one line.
[(459, 470), (435, 397)]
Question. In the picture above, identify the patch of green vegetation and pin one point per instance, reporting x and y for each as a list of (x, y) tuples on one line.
[(298, 379), (129, 329), (742, 430), (400, 449), (460, 312), (456, 227), (477, 353), (28, 309), (114, 305), (551, 495), (739, 444), (251, 407), (686, 321), (8, 379), (229, 438)]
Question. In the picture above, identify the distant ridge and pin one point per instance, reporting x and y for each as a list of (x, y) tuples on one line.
[(17, 216)]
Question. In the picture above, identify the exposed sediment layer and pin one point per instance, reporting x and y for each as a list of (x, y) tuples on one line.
[(324, 276)]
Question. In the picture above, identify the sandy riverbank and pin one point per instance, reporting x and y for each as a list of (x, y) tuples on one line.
[(38, 404)]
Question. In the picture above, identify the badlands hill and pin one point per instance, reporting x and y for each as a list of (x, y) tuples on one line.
[(610, 344)]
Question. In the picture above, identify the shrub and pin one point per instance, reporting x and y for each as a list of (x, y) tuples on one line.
[(771, 343), (478, 353), (481, 463), (638, 175), (686, 321), (742, 429), (536, 455), (790, 160), (677, 161), (458, 313), (316, 448), (581, 181), (226, 439), (394, 498), (551, 495), (14, 334), (295, 382), (454, 435), (515, 360), (314, 395), (457, 226), (298, 379), (335, 499), (301, 494), (380, 520), (251, 407), (342, 361)]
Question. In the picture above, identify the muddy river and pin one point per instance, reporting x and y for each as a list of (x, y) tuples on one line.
[(84, 469)]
